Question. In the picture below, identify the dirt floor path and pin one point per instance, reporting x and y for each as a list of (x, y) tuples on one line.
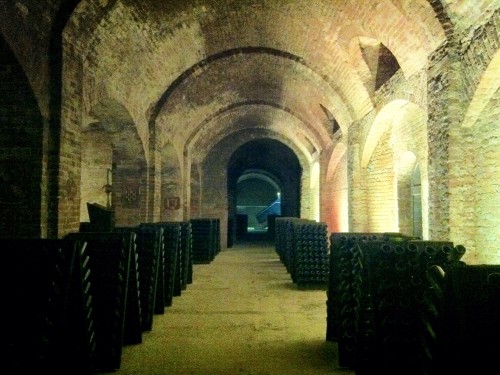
[(241, 315)]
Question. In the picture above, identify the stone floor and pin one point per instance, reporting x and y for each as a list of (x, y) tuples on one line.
[(241, 315)]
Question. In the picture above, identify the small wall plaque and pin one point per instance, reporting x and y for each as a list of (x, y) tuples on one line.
[(172, 203)]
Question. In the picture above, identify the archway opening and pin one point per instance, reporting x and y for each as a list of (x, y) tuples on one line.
[(258, 196), (264, 178)]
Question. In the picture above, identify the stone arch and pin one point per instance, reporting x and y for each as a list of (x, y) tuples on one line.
[(257, 193), (258, 154), (63, 180), (409, 136), (21, 144), (317, 139), (289, 127), (197, 68), (443, 17), (261, 175), (337, 155), (399, 128), (487, 87), (172, 183), (382, 122), (390, 34), (215, 201), (113, 153)]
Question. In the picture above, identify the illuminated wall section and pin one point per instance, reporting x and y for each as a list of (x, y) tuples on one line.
[(314, 213), (334, 204), (475, 173), (382, 204)]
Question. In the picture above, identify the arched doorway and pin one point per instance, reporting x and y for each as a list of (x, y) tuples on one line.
[(258, 196), (257, 171)]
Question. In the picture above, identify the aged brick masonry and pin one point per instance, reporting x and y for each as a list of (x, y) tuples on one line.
[(377, 115)]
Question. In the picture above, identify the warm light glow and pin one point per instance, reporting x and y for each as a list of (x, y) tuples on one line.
[(489, 84), (315, 189)]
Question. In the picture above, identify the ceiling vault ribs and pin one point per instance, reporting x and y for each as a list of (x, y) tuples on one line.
[(246, 103), (226, 54)]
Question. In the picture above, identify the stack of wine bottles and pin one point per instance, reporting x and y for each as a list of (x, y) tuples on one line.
[(271, 226), (205, 239), (72, 303), (165, 264), (378, 297), (171, 258), (284, 239), (303, 248), (150, 253), (461, 322), (343, 292), (187, 255), (46, 294), (115, 293)]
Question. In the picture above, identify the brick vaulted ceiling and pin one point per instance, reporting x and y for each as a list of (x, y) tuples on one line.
[(194, 70), (197, 70)]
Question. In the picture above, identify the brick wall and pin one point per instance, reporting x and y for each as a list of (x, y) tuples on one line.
[(66, 165), (195, 201), (21, 142), (172, 183), (334, 192), (122, 53), (380, 180), (97, 156), (474, 183), (358, 191), (439, 81)]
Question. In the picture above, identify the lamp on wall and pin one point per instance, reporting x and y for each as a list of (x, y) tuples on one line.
[(108, 188)]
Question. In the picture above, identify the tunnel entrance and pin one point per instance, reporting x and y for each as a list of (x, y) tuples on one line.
[(258, 195), (263, 182)]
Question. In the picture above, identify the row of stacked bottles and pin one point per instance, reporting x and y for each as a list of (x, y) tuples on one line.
[(73, 303), (461, 321), (397, 305), (206, 239), (114, 287), (48, 307), (302, 246)]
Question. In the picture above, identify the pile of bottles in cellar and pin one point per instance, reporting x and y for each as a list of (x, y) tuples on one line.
[(400, 305), (206, 239), (73, 303), (302, 246)]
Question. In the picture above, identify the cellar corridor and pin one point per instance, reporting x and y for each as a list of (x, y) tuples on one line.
[(241, 315)]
